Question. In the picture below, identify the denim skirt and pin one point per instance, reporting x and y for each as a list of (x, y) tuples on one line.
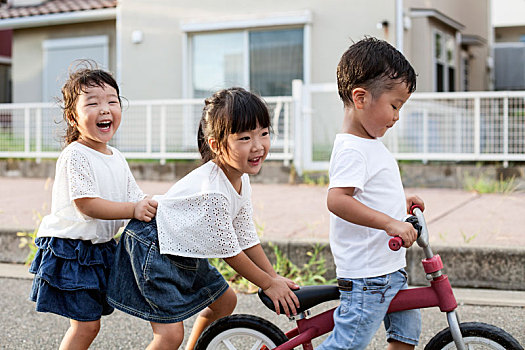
[(157, 287), (71, 277)]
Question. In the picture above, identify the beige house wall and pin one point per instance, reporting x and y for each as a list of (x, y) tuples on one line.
[(27, 60), (160, 56), (420, 53), (509, 34), (474, 15)]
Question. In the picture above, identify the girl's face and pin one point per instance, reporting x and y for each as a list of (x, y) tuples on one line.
[(98, 115), (246, 152)]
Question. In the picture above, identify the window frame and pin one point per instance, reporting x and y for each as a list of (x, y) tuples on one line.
[(49, 45), (443, 60), (302, 19)]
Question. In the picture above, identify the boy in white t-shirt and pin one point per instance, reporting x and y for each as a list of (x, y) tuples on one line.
[(367, 201)]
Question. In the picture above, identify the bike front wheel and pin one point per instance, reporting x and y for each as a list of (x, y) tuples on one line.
[(476, 335), (238, 332)]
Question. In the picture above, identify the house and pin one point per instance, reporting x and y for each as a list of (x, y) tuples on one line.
[(509, 47), (5, 65), (162, 49)]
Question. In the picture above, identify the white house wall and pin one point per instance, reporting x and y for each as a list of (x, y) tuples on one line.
[(160, 55)]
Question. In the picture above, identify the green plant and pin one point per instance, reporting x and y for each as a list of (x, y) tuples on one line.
[(311, 273), (443, 236), (315, 179), (27, 239), (483, 184), (468, 239)]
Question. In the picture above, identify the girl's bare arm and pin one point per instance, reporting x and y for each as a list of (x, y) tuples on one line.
[(274, 286), (99, 208)]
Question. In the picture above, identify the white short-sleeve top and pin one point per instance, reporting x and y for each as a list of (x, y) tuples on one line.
[(82, 172), (368, 166), (203, 216)]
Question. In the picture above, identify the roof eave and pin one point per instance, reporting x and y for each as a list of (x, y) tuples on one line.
[(59, 18), (437, 15)]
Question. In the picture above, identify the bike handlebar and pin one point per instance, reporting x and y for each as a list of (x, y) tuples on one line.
[(395, 243)]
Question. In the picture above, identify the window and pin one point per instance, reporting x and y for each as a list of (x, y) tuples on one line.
[(445, 62), (465, 68), (264, 61), (62, 54), (5, 83)]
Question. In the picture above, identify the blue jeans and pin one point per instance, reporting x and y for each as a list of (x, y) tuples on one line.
[(361, 311)]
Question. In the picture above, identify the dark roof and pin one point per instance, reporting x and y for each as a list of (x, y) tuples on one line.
[(55, 6)]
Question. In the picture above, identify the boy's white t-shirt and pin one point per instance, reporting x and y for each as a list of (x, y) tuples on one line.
[(203, 216), (82, 172), (367, 165)]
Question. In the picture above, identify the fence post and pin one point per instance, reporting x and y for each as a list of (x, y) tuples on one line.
[(286, 140), (477, 127), (149, 129), (163, 134), (505, 131), (426, 136), (27, 131), (38, 133), (297, 96)]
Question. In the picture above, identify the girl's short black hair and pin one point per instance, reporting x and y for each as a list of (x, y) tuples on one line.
[(375, 65), (226, 112)]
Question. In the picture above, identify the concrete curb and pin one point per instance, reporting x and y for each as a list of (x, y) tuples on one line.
[(467, 267)]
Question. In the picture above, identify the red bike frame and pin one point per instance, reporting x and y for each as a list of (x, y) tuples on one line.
[(438, 294)]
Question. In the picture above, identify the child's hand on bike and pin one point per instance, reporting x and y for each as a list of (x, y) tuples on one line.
[(280, 292), (405, 230), (414, 200), (145, 209)]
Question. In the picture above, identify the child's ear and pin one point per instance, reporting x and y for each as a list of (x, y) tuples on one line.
[(214, 145), (359, 96)]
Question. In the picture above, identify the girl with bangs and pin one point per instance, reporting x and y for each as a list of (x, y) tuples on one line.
[(161, 272)]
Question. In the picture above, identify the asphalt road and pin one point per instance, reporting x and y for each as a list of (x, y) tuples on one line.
[(23, 328)]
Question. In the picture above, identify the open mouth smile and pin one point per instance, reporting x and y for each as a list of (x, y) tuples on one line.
[(255, 161), (104, 125)]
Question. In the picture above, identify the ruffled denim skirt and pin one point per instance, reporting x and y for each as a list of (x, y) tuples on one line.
[(71, 277), (157, 287)]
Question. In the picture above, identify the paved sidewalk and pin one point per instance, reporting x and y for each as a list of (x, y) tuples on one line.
[(298, 212), (465, 296)]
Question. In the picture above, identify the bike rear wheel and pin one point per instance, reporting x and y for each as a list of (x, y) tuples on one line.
[(240, 332), (476, 335)]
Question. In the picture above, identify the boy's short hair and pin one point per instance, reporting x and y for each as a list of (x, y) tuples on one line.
[(374, 65)]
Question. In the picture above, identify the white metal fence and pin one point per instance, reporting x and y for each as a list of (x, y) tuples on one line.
[(460, 126), (156, 129), (470, 126)]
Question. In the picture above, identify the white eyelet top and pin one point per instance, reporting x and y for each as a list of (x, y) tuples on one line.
[(202, 216), (82, 172)]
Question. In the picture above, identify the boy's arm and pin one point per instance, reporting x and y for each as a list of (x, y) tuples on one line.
[(340, 201), (104, 209)]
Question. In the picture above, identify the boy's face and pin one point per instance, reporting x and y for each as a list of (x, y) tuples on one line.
[(379, 114)]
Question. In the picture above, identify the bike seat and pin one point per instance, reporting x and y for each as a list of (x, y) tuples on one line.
[(309, 296)]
